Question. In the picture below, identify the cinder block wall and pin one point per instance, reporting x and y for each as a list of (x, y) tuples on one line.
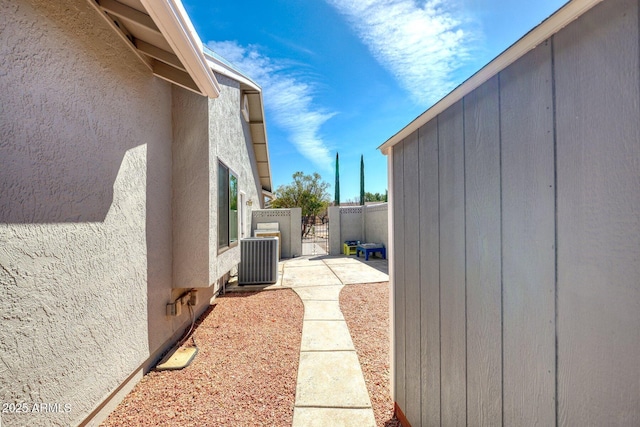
[(516, 240)]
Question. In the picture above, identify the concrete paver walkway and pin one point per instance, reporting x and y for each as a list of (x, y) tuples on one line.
[(331, 390)]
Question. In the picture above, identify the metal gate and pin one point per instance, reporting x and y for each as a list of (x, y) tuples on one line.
[(315, 241)]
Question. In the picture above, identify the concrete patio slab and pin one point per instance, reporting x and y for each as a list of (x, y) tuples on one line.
[(322, 310), (312, 248), (326, 335), (381, 265), (331, 379), (333, 260), (313, 275), (333, 417), (358, 273), (319, 293), (302, 262)]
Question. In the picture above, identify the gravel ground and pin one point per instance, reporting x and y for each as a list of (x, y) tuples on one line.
[(243, 375), (366, 309)]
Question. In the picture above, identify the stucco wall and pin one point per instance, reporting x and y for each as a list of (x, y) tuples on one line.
[(191, 191), (335, 246), (230, 142), (289, 222), (351, 226), (376, 223), (85, 211), (81, 117), (516, 292), (368, 224)]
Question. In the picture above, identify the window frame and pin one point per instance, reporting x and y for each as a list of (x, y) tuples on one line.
[(224, 203)]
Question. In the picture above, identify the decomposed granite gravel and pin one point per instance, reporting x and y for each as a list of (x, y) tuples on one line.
[(244, 374)]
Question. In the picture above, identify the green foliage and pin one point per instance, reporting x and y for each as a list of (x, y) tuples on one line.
[(375, 197), (336, 199), (362, 195), (308, 192)]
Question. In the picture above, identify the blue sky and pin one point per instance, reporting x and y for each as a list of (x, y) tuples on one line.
[(345, 75)]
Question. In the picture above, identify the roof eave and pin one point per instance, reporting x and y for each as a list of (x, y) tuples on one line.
[(249, 87), (560, 19), (173, 21), (265, 181)]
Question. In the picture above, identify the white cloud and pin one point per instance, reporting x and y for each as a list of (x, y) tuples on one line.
[(420, 44), (288, 100)]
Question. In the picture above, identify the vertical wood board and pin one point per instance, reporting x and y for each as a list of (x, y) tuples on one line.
[(452, 266), (528, 239), (429, 274), (598, 172), (399, 272), (483, 257), (411, 221)]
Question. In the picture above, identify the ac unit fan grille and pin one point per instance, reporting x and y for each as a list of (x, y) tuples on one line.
[(258, 261)]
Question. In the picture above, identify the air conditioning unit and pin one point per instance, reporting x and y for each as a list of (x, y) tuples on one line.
[(258, 261), (269, 229), (268, 233)]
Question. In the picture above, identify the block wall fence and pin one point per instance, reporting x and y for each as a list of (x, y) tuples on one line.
[(290, 224), (369, 223)]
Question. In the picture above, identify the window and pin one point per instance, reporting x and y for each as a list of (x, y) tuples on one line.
[(227, 207), (233, 208)]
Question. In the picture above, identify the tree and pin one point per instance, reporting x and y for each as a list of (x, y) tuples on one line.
[(362, 200), (336, 199), (375, 197), (308, 192)]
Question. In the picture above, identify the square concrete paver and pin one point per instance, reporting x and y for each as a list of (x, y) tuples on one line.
[(314, 275), (331, 379), (319, 293), (323, 335), (333, 417), (322, 310)]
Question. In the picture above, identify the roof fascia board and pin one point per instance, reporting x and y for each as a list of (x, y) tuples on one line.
[(560, 19), (221, 67), (172, 20)]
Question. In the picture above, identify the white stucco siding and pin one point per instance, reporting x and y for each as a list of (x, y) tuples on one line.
[(230, 142), (85, 208)]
